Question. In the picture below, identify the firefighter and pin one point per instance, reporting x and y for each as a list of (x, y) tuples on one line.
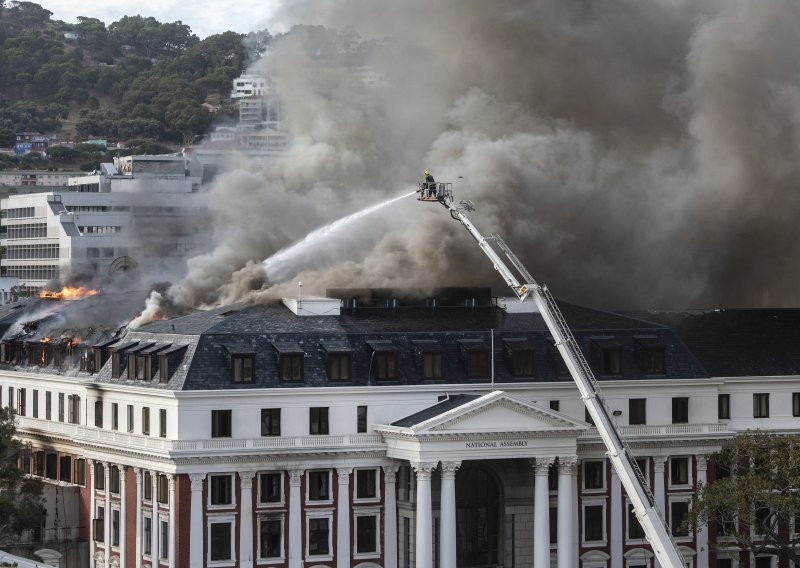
[(430, 184)]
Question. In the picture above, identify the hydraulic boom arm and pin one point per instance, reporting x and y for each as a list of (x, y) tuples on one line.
[(659, 536)]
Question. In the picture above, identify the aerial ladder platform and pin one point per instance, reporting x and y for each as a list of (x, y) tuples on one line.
[(619, 453)]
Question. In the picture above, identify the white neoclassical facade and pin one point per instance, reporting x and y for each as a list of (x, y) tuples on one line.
[(373, 436)]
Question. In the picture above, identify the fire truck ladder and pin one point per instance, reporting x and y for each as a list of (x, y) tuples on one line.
[(656, 531)]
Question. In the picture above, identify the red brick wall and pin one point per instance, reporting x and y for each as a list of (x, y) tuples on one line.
[(183, 515), (130, 515)]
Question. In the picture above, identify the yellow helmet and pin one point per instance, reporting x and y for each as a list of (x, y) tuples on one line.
[(427, 173)]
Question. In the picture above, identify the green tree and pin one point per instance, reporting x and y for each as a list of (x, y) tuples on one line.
[(756, 495), (21, 501)]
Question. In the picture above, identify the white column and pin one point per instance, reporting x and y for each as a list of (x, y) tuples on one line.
[(295, 522), (173, 520), (138, 538), (567, 539), (390, 520), (154, 525), (196, 522), (702, 532), (659, 493), (343, 553), (541, 513), (107, 522), (615, 528), (91, 482), (424, 514), (447, 515), (246, 524), (122, 509)]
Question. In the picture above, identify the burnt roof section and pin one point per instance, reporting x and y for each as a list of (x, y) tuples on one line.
[(739, 342), (450, 403)]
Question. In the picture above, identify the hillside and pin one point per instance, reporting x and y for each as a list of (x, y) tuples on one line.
[(136, 79)]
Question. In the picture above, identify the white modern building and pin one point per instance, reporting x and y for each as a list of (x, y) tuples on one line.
[(140, 209)]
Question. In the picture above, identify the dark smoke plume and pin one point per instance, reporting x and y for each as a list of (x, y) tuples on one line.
[(633, 154)]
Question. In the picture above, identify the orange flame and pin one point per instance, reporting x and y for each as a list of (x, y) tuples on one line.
[(45, 340), (68, 293), (73, 342)]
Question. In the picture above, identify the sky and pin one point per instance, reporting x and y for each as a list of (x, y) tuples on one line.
[(204, 17)]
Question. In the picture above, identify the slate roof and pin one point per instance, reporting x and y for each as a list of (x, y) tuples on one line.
[(454, 401), (214, 336), (739, 342)]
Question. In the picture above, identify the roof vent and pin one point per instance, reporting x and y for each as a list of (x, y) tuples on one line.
[(313, 306)]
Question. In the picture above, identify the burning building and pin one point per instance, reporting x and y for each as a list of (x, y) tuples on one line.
[(332, 430)]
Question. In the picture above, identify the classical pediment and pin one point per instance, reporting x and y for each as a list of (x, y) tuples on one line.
[(494, 412)]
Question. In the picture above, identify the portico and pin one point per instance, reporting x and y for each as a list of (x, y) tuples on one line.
[(463, 432)]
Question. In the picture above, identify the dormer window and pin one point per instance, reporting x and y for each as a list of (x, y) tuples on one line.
[(290, 362), (383, 360), (243, 367), (339, 361), (652, 355), (608, 352), (520, 357)]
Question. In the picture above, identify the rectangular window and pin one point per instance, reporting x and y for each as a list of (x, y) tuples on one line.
[(114, 416), (162, 489), (679, 471), (80, 471), (162, 423), (653, 359), (795, 403), (270, 538), (98, 414), (587, 417), (65, 469), (100, 525), (220, 541), (593, 523), (291, 367), (553, 525), (48, 405), (612, 361), (115, 365), (270, 421), (522, 362), (270, 488), (366, 484), (384, 365), (99, 476), (113, 479), (366, 534), (220, 490), (432, 364), (21, 401), (361, 419), (51, 466), (724, 407), (761, 405), (478, 363), (130, 418), (35, 403), (318, 421), (147, 534), (243, 368), (680, 410), (163, 369), (61, 407), (594, 474), (678, 511), (635, 530), (146, 421), (114, 527), (74, 404), (319, 485), (148, 486), (339, 366), (132, 370), (318, 534), (163, 540), (555, 405), (11, 398), (221, 423), (637, 411)]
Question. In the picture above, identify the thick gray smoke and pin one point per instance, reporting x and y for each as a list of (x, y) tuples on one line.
[(633, 154)]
